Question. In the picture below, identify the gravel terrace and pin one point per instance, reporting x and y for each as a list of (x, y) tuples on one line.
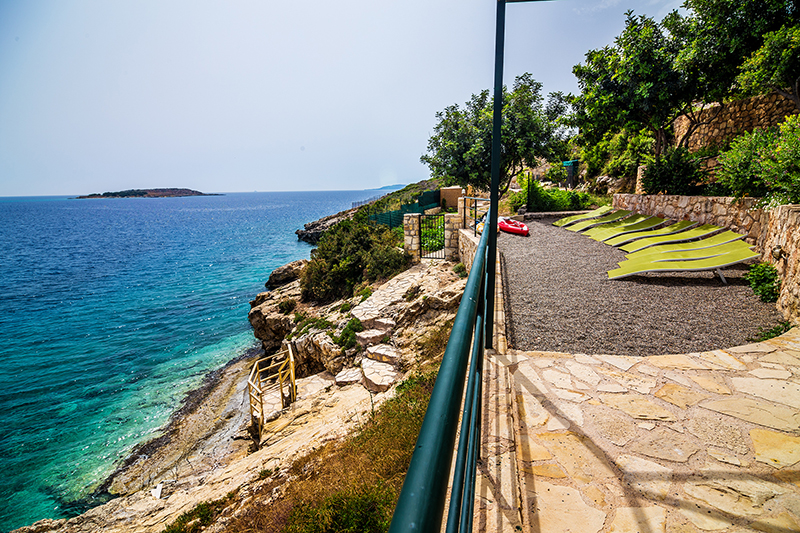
[(559, 298)]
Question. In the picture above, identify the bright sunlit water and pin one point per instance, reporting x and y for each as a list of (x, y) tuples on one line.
[(110, 312)]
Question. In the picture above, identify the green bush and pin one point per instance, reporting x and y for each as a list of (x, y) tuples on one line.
[(765, 163), (546, 200), (432, 238), (763, 279), (461, 270), (348, 254), (676, 172), (765, 334), (347, 338), (287, 306)]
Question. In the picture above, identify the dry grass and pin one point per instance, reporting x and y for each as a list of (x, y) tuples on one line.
[(350, 485)]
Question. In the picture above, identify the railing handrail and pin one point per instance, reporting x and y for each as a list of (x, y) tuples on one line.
[(285, 374), (421, 504)]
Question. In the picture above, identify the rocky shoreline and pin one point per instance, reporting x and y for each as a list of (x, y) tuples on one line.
[(206, 451)]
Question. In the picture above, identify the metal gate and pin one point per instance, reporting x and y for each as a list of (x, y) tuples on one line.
[(431, 233)]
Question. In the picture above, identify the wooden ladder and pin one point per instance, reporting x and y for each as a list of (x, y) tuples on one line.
[(276, 370)]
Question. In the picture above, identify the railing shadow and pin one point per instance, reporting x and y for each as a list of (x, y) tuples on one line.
[(641, 496)]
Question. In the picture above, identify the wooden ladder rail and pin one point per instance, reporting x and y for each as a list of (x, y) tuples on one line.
[(255, 383)]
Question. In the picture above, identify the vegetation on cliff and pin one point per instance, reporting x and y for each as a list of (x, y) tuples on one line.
[(349, 253)]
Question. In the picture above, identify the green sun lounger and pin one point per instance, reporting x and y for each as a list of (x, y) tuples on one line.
[(600, 211), (685, 255), (611, 217), (612, 226), (667, 230), (716, 263), (694, 233), (647, 222), (715, 240)]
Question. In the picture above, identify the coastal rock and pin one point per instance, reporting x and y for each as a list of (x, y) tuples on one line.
[(270, 326), (286, 273), (312, 231), (316, 349)]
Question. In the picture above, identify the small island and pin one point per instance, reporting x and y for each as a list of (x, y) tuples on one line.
[(148, 193)]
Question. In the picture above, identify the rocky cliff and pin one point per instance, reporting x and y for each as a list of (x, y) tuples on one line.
[(207, 455)]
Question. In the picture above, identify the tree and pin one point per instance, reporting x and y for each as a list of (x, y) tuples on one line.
[(631, 85), (775, 66), (460, 150)]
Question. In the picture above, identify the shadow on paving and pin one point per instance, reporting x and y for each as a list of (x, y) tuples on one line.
[(558, 298)]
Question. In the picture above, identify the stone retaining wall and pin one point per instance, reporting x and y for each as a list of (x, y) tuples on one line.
[(467, 246), (740, 216), (738, 117), (411, 236), (784, 230), (764, 229), (412, 241)]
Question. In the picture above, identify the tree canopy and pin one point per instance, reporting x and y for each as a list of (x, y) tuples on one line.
[(460, 149), (632, 84), (775, 66)]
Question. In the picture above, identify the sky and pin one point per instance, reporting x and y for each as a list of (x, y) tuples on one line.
[(240, 96)]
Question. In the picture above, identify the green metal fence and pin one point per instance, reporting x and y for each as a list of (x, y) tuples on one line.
[(393, 219), (420, 507)]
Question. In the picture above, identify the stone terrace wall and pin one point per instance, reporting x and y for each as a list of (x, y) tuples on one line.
[(784, 230), (764, 229), (740, 216), (467, 246), (738, 117)]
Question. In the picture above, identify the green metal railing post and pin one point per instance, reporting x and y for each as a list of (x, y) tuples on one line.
[(421, 503)]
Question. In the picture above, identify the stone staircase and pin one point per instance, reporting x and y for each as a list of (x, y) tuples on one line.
[(668, 443)]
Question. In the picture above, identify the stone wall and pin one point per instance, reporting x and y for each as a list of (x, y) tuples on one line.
[(448, 196), (759, 112), (784, 231), (452, 224), (764, 229), (411, 236), (740, 216), (412, 241), (467, 246)]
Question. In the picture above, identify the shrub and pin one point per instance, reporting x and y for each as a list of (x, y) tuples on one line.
[(741, 168), (763, 279), (347, 338), (545, 200), (765, 334), (287, 306), (765, 163), (432, 237), (345, 307), (675, 172), (349, 253), (461, 270)]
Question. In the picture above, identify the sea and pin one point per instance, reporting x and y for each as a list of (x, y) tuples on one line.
[(111, 311)]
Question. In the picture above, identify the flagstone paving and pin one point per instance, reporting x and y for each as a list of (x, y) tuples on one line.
[(668, 443)]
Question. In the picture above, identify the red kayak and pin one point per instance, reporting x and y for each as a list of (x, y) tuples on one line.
[(512, 226)]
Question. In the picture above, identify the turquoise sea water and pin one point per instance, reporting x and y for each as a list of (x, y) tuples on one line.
[(110, 312)]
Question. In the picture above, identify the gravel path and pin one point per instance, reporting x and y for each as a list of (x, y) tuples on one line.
[(559, 298)]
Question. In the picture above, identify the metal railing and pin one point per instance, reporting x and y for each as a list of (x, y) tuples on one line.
[(473, 211), (276, 370), (420, 507)]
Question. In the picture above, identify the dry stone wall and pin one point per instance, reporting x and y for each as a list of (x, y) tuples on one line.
[(764, 229), (759, 112)]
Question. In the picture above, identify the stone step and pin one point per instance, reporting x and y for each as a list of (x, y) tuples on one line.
[(378, 377), (384, 353)]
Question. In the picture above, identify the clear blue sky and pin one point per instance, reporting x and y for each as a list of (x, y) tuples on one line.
[(239, 95)]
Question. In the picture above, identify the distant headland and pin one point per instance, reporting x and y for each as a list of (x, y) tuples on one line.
[(148, 193)]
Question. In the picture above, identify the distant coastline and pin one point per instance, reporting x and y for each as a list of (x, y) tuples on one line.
[(147, 193)]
